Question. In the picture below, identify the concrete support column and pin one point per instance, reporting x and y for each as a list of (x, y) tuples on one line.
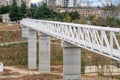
[(24, 31), (71, 61), (44, 53), (31, 49)]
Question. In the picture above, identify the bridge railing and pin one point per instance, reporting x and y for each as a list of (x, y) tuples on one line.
[(102, 40)]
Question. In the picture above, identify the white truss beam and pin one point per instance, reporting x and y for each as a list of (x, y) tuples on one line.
[(94, 38)]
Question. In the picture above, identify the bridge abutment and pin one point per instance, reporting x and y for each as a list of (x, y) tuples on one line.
[(71, 61), (31, 49), (44, 53)]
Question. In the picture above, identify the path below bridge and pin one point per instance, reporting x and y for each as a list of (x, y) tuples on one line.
[(17, 72)]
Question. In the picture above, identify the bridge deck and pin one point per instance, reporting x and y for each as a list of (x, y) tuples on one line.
[(94, 38)]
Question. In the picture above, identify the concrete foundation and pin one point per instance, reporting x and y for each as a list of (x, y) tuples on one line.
[(44, 53), (71, 61), (31, 49)]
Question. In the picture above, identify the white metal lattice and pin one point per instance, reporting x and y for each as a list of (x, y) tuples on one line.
[(102, 40)]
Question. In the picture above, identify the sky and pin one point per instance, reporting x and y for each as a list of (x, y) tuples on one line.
[(35, 1), (99, 2), (94, 2), (114, 1)]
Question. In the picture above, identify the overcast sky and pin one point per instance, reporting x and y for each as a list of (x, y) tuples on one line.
[(35, 0), (93, 1)]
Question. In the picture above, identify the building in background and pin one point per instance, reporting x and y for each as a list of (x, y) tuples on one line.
[(59, 3), (64, 3), (19, 2), (51, 2), (71, 3), (5, 17), (40, 3), (3, 3), (28, 3), (77, 3)]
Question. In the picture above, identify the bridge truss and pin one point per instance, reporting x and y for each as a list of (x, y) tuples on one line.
[(102, 40)]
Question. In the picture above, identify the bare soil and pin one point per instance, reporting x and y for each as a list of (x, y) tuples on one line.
[(9, 27), (54, 69), (37, 77)]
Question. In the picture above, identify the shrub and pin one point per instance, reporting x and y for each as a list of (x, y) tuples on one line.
[(111, 22), (83, 20), (0, 19), (118, 78)]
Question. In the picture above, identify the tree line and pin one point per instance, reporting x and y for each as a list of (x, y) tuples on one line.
[(15, 13), (42, 12)]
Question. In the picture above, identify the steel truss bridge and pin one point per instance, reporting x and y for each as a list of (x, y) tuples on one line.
[(101, 40)]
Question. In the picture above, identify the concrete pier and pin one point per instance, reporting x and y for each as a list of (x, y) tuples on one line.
[(31, 49), (44, 53), (24, 31), (71, 61)]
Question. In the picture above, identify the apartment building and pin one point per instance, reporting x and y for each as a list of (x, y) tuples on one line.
[(5, 17), (64, 3), (0, 2), (51, 2), (19, 2), (3, 2), (28, 3)]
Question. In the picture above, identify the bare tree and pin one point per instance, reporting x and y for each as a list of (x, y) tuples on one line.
[(104, 3), (110, 10), (118, 6)]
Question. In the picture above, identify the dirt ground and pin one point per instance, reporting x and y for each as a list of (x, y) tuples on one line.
[(22, 73), (9, 27), (37, 77)]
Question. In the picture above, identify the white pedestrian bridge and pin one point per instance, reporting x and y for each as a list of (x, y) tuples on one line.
[(101, 40)]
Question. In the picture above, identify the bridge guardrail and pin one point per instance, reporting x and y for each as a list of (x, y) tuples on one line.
[(102, 40)]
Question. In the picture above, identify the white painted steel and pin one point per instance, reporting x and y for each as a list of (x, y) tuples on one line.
[(1, 67), (101, 40)]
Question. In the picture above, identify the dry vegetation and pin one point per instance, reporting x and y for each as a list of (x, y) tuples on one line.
[(9, 27), (16, 54), (37, 77), (56, 53), (9, 36), (9, 33), (12, 54)]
